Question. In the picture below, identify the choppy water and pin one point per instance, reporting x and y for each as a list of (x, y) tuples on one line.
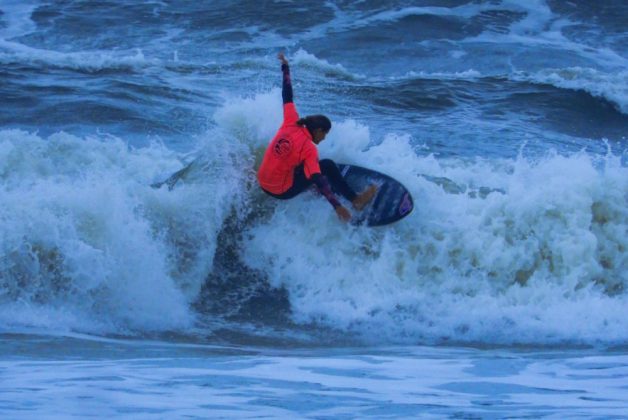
[(503, 293)]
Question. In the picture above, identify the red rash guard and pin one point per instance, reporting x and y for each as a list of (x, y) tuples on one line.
[(291, 147)]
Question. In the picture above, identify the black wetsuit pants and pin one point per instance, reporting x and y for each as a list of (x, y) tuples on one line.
[(330, 170)]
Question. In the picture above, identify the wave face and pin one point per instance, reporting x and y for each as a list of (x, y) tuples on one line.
[(87, 244), (506, 121), (500, 250)]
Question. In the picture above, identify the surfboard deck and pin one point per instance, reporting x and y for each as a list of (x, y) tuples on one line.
[(392, 202)]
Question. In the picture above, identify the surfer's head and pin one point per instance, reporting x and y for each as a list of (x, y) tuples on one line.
[(317, 125)]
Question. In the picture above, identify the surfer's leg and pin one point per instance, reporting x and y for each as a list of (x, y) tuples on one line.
[(299, 184), (336, 181), (340, 186), (364, 197)]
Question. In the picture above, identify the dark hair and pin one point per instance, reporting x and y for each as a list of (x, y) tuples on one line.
[(313, 122)]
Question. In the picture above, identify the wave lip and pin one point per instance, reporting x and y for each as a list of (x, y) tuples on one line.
[(612, 87), (517, 265), (93, 61), (89, 246)]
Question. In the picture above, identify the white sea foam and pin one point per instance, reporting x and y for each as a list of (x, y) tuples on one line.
[(89, 61), (87, 244), (240, 117), (538, 16), (464, 11), (304, 58), (541, 259), (459, 75), (152, 380), (17, 15), (347, 20), (540, 28), (610, 86)]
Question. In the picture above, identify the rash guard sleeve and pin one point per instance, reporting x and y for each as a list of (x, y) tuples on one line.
[(323, 186), (286, 88), (290, 114)]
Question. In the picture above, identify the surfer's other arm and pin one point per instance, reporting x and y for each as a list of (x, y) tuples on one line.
[(322, 184)]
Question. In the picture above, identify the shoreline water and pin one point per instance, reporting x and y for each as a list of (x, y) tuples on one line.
[(159, 379)]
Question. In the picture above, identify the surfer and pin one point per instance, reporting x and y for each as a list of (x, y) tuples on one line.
[(291, 164)]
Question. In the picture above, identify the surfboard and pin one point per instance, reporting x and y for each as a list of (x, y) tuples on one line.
[(392, 202), (174, 178)]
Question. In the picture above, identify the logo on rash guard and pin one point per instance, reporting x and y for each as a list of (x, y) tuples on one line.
[(282, 148)]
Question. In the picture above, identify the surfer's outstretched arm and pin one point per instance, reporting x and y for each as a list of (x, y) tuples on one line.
[(322, 184), (286, 87), (290, 114)]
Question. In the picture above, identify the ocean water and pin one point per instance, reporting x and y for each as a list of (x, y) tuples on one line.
[(504, 294)]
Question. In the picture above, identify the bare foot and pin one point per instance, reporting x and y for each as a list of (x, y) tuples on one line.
[(364, 197), (343, 213)]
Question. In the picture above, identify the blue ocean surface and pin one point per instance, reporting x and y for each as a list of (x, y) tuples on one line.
[(503, 294)]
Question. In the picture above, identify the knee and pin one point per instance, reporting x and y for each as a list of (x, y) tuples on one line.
[(327, 164)]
